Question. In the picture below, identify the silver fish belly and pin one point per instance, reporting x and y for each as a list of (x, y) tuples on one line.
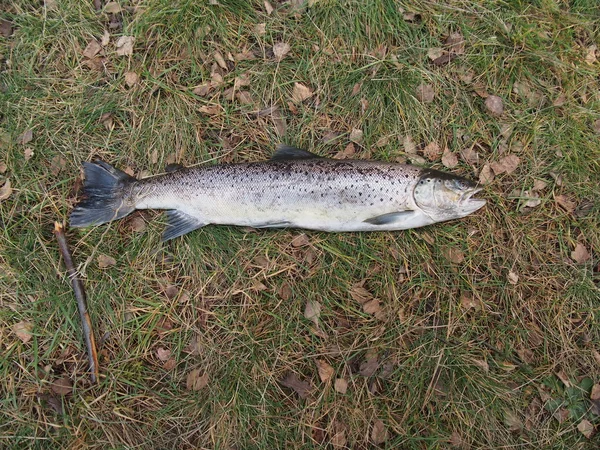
[(294, 189)]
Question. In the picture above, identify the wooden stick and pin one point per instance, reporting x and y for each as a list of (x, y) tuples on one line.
[(86, 322)]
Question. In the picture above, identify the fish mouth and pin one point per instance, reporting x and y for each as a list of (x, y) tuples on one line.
[(471, 204)]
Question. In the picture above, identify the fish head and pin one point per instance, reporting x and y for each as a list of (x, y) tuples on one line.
[(443, 196)]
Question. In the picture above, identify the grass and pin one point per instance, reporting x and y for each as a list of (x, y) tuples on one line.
[(466, 358)]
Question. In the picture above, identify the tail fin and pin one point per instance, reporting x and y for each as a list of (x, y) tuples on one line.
[(104, 195)]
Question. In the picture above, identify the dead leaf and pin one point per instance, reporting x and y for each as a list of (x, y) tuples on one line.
[(280, 50), (105, 38), (469, 155), (163, 354), (372, 307), (301, 93), (512, 421), (203, 90), (26, 137), (260, 28), (455, 43), (113, 8), (279, 121), (312, 311), (432, 151), (562, 376), (370, 365), (494, 105), (481, 363), (195, 381), (586, 428), (62, 386), (285, 291), (57, 164), (435, 53), (360, 294), (28, 153), (300, 241), (564, 202), (590, 54), (356, 89), (125, 45), (561, 414), (409, 145), (5, 190), (3, 167), (268, 7), (23, 330), (532, 197), (356, 135), (137, 224), (6, 28), (340, 385), (211, 110), (449, 159), (580, 254), (512, 277), (302, 388), (595, 394), (539, 185), (244, 97), (596, 126), (348, 152), (454, 255), (468, 302), (507, 165), (339, 441), (131, 79), (425, 93), (455, 439), (379, 433), (325, 370), (170, 364), (92, 49), (105, 261), (486, 176)]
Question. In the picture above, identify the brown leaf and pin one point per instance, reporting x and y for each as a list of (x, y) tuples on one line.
[(596, 126), (468, 302), (481, 363), (163, 353), (211, 110), (203, 89), (57, 164), (62, 386), (356, 89), (325, 370), (586, 428), (512, 277), (285, 291), (595, 394), (279, 121), (512, 421), (28, 153), (425, 93), (360, 294), (268, 7), (312, 311), (590, 54), (338, 440), (170, 364), (137, 224), (348, 152), (260, 28), (370, 365), (456, 43), (280, 50), (300, 241), (356, 135), (26, 137), (244, 97), (507, 165), (449, 159), (539, 185), (565, 203), (486, 176), (92, 49), (220, 60), (372, 307), (409, 145), (196, 380), (435, 53), (3, 167), (105, 261), (302, 388), (432, 151), (379, 433), (6, 28), (340, 385), (301, 93), (494, 105), (131, 79), (125, 45), (23, 330), (5, 190), (456, 439), (454, 255), (469, 155), (112, 8), (105, 38), (580, 254)]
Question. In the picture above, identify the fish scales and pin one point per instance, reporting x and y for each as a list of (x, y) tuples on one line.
[(294, 189)]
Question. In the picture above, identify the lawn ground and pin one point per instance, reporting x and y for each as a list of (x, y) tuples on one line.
[(477, 333)]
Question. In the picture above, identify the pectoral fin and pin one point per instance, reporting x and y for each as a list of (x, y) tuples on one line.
[(391, 218), (180, 223)]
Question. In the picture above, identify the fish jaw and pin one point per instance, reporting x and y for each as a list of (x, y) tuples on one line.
[(468, 204)]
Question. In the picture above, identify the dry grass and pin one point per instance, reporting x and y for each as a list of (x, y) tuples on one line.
[(463, 354)]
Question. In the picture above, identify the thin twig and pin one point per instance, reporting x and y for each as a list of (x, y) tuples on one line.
[(86, 323)]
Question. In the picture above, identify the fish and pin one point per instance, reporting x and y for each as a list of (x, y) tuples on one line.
[(293, 189)]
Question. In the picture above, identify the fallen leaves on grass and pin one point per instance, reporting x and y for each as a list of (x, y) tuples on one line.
[(469, 155), (356, 135), (425, 93), (291, 380), (196, 380), (432, 151), (312, 311), (590, 54), (163, 353), (105, 40), (454, 255), (409, 145), (26, 137), (125, 45), (28, 153), (338, 440), (586, 428), (301, 92), (512, 421), (23, 331), (105, 261), (580, 254), (137, 224), (57, 164), (455, 43), (131, 79), (280, 50), (92, 49), (379, 433), (486, 176), (435, 53), (112, 8), (325, 370), (6, 28), (62, 386), (300, 241), (348, 152), (3, 167), (565, 203), (512, 277), (5, 190), (370, 365), (340, 385), (449, 159), (507, 165), (494, 105), (211, 110)]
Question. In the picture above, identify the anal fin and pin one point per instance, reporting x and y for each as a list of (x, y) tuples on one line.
[(180, 223), (273, 225), (389, 218)]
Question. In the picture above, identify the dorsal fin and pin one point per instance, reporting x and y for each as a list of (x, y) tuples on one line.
[(286, 152)]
